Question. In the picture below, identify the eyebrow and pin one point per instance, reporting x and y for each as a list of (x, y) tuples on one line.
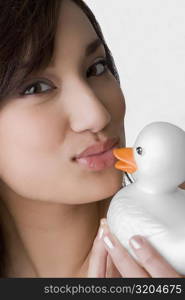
[(93, 46)]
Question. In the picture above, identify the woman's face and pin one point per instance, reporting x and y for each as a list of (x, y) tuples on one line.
[(73, 105)]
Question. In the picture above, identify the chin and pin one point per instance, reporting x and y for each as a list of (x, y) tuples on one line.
[(88, 187), (100, 186)]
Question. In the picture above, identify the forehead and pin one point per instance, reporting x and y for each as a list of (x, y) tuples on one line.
[(74, 30)]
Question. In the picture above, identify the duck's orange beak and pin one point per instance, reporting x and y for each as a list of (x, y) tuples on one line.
[(126, 161)]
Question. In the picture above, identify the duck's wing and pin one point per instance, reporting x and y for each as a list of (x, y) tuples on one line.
[(142, 221), (128, 219)]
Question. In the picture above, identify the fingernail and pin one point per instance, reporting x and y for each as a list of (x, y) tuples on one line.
[(136, 242), (108, 242), (103, 221), (100, 233)]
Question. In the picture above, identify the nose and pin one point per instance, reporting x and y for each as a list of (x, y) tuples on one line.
[(87, 111)]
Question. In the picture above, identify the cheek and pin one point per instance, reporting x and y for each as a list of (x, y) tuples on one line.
[(110, 93), (36, 131), (116, 106), (117, 103), (30, 143)]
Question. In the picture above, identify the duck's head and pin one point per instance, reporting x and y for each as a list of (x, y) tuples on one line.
[(158, 155)]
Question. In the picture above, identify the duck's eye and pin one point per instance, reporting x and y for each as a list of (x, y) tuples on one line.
[(139, 150)]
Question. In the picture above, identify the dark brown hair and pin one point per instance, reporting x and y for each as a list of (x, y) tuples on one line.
[(27, 36)]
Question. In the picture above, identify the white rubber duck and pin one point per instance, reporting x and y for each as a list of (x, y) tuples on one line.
[(153, 206)]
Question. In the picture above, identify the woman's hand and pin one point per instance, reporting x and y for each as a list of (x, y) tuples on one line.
[(110, 259)]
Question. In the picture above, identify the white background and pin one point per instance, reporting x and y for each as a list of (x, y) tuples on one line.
[(147, 40)]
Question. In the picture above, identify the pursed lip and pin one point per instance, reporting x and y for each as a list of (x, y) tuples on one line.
[(98, 148)]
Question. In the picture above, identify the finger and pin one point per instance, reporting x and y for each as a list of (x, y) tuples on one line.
[(111, 270), (150, 258), (123, 261), (98, 259)]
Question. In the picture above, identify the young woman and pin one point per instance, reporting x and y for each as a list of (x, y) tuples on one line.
[(60, 95)]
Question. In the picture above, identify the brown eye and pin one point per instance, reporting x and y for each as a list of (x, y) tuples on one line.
[(37, 88), (98, 68), (139, 150)]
